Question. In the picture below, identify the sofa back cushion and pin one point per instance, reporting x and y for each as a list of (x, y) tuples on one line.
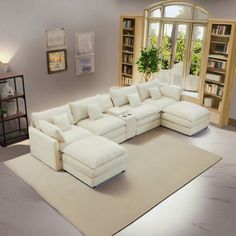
[(120, 96), (143, 88), (48, 115), (171, 91), (79, 108)]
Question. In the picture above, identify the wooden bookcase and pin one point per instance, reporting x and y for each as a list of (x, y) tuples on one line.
[(131, 33), (18, 131), (219, 69)]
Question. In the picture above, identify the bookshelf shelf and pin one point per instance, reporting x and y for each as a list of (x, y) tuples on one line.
[(130, 46), (219, 70)]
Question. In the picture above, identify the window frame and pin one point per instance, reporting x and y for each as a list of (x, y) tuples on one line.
[(175, 21)]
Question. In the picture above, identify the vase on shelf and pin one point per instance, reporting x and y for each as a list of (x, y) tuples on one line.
[(7, 91)]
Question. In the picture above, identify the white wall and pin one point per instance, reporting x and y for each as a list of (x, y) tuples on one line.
[(22, 35)]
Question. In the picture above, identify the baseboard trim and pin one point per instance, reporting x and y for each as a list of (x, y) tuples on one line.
[(232, 122)]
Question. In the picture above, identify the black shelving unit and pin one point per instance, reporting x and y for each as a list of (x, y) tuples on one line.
[(20, 131)]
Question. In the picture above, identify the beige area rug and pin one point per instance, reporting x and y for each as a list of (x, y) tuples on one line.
[(157, 167)]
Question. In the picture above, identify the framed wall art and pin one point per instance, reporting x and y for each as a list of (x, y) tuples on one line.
[(84, 64), (56, 61), (55, 38), (84, 53)]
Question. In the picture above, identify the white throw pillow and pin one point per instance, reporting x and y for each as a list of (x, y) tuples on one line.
[(134, 100), (155, 93), (171, 91), (94, 111), (51, 130), (62, 122)]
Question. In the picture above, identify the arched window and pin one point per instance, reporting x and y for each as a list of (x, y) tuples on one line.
[(179, 28)]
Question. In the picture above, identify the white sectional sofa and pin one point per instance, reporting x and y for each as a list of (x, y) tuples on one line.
[(83, 137)]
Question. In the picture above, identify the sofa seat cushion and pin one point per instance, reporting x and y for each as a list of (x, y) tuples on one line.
[(148, 119), (187, 110), (161, 103), (92, 173), (102, 126), (143, 111), (94, 151), (182, 121), (74, 134)]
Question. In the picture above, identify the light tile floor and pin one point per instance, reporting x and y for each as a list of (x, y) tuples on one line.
[(204, 207)]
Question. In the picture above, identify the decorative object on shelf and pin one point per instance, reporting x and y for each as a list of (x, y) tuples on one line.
[(56, 61), (55, 38), (11, 107), (84, 53), (148, 62), (3, 67), (7, 91)]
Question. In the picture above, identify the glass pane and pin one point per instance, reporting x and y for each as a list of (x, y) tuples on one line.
[(193, 79), (156, 13), (166, 49), (153, 33), (180, 54), (178, 11), (200, 15), (167, 46)]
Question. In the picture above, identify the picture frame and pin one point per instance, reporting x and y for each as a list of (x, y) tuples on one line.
[(56, 61), (55, 38), (84, 65), (85, 43)]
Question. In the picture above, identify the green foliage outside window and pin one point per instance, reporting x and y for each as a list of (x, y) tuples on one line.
[(165, 52), (196, 58)]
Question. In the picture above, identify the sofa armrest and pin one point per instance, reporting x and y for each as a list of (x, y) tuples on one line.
[(172, 91), (45, 148), (116, 111)]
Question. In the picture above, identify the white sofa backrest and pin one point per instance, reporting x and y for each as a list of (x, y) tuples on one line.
[(143, 88), (172, 91), (120, 96), (79, 108), (48, 114)]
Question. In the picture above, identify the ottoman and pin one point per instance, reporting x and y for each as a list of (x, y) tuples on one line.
[(94, 159), (185, 117)]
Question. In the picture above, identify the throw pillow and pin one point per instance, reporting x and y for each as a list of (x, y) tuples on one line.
[(94, 111), (155, 93), (62, 122), (51, 130), (134, 100)]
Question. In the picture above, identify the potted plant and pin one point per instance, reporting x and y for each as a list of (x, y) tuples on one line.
[(148, 62)]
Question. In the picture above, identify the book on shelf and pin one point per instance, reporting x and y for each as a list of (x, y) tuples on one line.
[(127, 58), (214, 89), (216, 64), (129, 41), (221, 29), (126, 80), (127, 70), (208, 102), (127, 24)]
